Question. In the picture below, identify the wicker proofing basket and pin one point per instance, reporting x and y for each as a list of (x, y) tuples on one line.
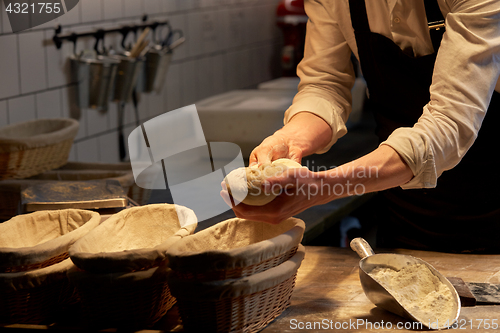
[(124, 300), (236, 305), (134, 239), (36, 296), (41, 239), (32, 147), (235, 248)]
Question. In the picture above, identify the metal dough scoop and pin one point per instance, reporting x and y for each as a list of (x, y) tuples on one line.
[(382, 297)]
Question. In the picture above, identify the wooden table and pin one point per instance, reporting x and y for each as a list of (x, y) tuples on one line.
[(328, 289)]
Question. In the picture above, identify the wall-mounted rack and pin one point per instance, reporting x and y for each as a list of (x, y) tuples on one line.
[(100, 33)]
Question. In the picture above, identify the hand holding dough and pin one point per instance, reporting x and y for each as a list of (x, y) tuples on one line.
[(245, 184)]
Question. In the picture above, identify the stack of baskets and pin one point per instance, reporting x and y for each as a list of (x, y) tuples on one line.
[(121, 273), (32, 147), (236, 276), (34, 262)]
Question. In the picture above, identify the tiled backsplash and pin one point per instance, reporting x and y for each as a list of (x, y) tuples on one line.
[(230, 44)]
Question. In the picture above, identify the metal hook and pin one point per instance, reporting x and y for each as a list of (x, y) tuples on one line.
[(124, 31), (99, 35), (73, 38)]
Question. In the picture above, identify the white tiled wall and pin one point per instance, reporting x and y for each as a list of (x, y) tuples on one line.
[(231, 44)]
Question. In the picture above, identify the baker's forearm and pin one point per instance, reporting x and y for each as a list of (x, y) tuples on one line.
[(307, 131), (379, 170)]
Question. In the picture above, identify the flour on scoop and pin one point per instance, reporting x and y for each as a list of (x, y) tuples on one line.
[(419, 291)]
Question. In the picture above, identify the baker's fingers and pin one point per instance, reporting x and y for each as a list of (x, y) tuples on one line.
[(287, 180), (225, 196), (295, 154), (260, 154), (276, 184), (279, 150), (223, 185)]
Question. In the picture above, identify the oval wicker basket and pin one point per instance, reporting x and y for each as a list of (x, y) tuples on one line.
[(134, 239), (123, 300), (236, 305), (36, 296), (235, 248), (32, 147), (41, 239)]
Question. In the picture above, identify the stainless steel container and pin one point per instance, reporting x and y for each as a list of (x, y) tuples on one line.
[(95, 78), (154, 71), (126, 77)]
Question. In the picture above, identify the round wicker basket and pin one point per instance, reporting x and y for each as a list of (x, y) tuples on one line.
[(36, 296), (235, 248), (236, 305), (123, 300), (41, 239), (134, 239), (32, 147)]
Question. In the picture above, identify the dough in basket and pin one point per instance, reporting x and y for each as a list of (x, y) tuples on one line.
[(245, 184)]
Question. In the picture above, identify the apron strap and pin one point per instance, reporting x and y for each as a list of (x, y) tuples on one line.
[(435, 21), (434, 15), (359, 18)]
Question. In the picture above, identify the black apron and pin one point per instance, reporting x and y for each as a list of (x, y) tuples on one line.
[(462, 213)]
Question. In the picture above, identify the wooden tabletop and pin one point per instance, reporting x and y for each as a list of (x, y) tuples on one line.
[(328, 291)]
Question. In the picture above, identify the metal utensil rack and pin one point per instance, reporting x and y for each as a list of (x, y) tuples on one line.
[(100, 33)]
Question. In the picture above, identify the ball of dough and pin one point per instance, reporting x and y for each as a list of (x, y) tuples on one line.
[(245, 184)]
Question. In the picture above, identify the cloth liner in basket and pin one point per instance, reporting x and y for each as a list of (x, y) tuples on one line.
[(134, 239), (40, 239), (235, 248), (130, 300), (35, 296), (236, 305), (35, 146)]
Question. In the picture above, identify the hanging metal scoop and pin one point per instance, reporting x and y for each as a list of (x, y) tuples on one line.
[(384, 298)]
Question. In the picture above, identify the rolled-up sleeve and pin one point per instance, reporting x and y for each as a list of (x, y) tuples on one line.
[(326, 73), (465, 73)]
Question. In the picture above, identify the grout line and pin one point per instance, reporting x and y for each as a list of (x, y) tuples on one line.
[(37, 91), (98, 141), (8, 111), (76, 151), (19, 63), (61, 104), (123, 7), (1, 17), (36, 105), (46, 63), (102, 11), (80, 15)]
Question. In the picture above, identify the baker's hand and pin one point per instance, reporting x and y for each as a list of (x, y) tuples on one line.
[(303, 135), (300, 189), (279, 145)]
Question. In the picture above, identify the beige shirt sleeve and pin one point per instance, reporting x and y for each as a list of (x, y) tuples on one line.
[(326, 73), (465, 74), (466, 71)]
